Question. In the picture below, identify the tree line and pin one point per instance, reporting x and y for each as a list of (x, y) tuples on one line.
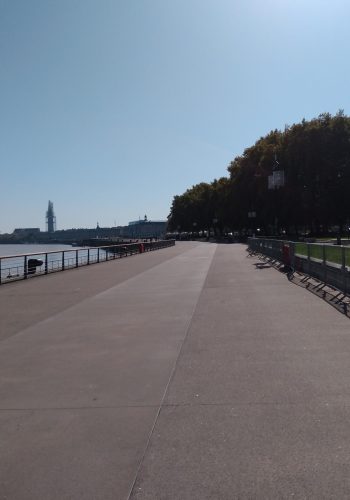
[(311, 162)]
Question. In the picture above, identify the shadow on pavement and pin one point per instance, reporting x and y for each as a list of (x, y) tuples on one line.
[(332, 296)]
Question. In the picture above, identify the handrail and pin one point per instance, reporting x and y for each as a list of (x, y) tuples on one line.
[(73, 249), (23, 266), (327, 263)]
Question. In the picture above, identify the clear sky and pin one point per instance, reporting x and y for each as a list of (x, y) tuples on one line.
[(111, 107)]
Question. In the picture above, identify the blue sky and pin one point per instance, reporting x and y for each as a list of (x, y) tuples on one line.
[(109, 108)]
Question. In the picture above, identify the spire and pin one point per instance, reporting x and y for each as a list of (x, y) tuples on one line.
[(50, 218)]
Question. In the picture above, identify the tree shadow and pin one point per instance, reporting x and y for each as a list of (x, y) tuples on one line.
[(329, 294), (262, 265)]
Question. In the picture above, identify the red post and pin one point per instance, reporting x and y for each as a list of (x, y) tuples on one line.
[(286, 254)]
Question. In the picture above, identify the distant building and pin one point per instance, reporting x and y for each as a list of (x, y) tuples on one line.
[(26, 231), (136, 222), (139, 229), (145, 229), (50, 219)]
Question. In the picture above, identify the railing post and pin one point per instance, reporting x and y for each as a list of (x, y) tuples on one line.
[(25, 268), (98, 255), (292, 254), (324, 259), (63, 260), (0, 270), (88, 257), (308, 258), (343, 268), (46, 264), (76, 258)]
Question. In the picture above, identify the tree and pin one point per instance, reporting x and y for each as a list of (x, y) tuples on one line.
[(315, 158)]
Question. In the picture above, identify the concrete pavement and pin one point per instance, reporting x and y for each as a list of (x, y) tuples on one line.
[(185, 373)]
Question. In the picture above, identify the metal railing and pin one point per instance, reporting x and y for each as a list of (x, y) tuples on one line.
[(327, 263), (24, 266)]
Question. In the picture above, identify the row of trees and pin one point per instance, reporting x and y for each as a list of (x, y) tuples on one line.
[(314, 157)]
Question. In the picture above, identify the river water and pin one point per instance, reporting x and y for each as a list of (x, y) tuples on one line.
[(51, 258), (7, 250)]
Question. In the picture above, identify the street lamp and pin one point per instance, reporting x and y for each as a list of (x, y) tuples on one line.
[(194, 229), (275, 181), (251, 215), (215, 221)]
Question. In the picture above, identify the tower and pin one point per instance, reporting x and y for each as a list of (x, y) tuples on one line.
[(50, 219)]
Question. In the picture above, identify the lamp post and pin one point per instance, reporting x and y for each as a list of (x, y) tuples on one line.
[(215, 221), (178, 232), (251, 215), (194, 229), (275, 181)]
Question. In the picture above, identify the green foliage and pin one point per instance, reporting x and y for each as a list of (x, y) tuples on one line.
[(315, 157)]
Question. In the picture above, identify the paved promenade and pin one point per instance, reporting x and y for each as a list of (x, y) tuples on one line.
[(181, 374)]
